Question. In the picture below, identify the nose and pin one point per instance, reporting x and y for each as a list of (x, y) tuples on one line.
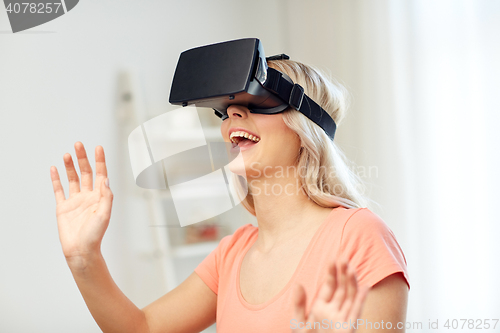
[(236, 111)]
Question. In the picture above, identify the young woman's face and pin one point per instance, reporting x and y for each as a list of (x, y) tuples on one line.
[(278, 145)]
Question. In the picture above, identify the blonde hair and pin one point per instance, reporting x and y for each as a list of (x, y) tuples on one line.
[(319, 155)]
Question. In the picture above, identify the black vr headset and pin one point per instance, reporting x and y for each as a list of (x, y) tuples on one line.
[(236, 72)]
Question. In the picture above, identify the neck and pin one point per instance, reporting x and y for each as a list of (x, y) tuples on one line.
[(283, 211)]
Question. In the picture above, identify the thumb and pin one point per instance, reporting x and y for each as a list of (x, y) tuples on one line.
[(106, 200), (299, 301)]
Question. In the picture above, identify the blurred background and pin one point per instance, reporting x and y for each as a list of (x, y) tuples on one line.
[(425, 80)]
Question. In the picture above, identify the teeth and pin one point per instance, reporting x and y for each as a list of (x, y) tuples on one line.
[(235, 137)]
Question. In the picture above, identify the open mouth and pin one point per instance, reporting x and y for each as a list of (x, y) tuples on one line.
[(243, 140)]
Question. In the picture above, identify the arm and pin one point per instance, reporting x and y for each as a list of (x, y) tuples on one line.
[(379, 262), (190, 307), (111, 309), (82, 220), (386, 301)]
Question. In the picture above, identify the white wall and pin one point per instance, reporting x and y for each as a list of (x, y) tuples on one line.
[(57, 87)]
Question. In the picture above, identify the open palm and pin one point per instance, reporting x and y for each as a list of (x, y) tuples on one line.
[(338, 303), (82, 218)]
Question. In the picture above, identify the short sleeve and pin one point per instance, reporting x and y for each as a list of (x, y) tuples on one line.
[(208, 270), (371, 248)]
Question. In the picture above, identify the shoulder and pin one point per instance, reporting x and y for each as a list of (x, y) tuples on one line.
[(224, 255), (366, 222), (371, 246), (242, 233), (364, 229), (238, 240)]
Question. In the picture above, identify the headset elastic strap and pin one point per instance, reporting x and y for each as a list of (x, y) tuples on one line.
[(294, 95)]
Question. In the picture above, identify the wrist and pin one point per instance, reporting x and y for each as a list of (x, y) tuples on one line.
[(82, 262)]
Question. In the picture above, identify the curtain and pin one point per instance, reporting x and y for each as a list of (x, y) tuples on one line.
[(425, 80)]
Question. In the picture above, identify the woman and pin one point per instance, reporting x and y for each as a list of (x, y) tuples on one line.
[(316, 259)]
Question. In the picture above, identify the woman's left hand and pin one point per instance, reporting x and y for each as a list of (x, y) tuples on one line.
[(340, 301)]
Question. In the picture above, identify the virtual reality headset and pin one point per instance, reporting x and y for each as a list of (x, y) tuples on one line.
[(236, 72)]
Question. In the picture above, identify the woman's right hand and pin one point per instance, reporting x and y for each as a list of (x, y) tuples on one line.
[(82, 218)]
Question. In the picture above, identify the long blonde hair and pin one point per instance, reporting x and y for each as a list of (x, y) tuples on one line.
[(329, 179)]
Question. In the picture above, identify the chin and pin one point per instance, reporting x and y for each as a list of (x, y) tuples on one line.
[(246, 167), (237, 166)]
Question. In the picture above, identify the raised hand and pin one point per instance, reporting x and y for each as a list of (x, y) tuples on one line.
[(82, 218), (339, 300)]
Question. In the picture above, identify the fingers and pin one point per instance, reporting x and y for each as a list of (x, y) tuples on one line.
[(56, 185), (340, 292), (106, 201), (357, 306), (328, 289), (349, 296), (100, 164), (85, 169), (73, 179), (352, 288), (300, 303)]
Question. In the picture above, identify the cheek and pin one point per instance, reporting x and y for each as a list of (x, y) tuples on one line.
[(286, 146), (272, 128), (223, 130), (283, 143)]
